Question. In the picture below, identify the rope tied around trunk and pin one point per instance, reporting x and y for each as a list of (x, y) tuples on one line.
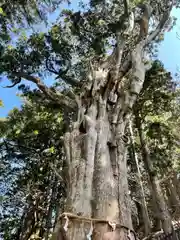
[(66, 223), (90, 232), (113, 225)]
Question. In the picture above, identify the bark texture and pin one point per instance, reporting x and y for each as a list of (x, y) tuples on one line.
[(96, 150)]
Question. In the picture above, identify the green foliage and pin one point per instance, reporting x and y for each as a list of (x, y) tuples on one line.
[(1, 103), (63, 51), (21, 10), (155, 105), (32, 149)]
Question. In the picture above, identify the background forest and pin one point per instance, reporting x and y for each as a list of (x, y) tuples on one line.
[(52, 46)]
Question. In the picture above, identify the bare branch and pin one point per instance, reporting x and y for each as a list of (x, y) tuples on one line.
[(68, 80), (131, 24), (126, 7), (178, 35), (50, 69), (55, 171), (61, 74), (20, 146), (114, 60), (119, 52), (127, 63), (14, 84), (154, 34), (52, 95)]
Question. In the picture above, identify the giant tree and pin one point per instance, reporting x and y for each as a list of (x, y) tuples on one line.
[(99, 92)]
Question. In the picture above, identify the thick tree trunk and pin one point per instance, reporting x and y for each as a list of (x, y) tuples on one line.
[(96, 158), (98, 176), (157, 226), (157, 194)]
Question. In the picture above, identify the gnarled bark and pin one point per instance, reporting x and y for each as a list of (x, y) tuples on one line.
[(96, 156)]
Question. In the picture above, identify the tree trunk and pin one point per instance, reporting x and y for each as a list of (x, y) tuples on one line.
[(32, 219), (176, 184), (174, 195), (143, 206), (157, 226), (96, 150), (173, 199), (28, 220), (98, 176), (50, 206), (157, 194)]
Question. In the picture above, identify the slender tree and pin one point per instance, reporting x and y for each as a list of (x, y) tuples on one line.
[(156, 140), (143, 204)]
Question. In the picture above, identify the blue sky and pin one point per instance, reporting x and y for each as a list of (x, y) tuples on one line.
[(169, 54)]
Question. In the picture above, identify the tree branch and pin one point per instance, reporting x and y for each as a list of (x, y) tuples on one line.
[(126, 7), (55, 171), (114, 60), (20, 146), (127, 64), (14, 84), (52, 95), (61, 74), (50, 69), (68, 80), (131, 24), (154, 34)]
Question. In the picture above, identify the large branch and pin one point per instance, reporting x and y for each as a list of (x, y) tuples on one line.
[(14, 84), (52, 95), (127, 64), (61, 74), (69, 80), (159, 28), (126, 7), (115, 58)]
